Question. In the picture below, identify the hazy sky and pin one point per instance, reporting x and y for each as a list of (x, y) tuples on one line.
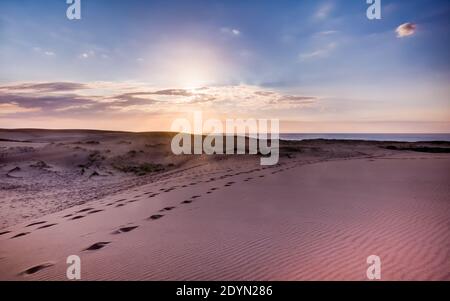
[(318, 66)]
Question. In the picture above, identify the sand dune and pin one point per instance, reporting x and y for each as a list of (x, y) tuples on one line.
[(317, 215)]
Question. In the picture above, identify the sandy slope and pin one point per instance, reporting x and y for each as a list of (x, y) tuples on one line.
[(298, 221), (46, 171)]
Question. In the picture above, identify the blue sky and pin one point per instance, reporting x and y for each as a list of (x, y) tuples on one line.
[(355, 74)]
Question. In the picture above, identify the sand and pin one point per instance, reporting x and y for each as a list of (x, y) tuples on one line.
[(316, 216)]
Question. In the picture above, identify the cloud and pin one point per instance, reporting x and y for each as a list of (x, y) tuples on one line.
[(324, 11), (46, 98), (173, 92), (44, 87), (318, 53), (290, 99), (405, 30), (133, 98), (327, 32), (12, 108), (88, 54), (44, 52), (264, 93), (45, 103), (103, 98), (230, 31)]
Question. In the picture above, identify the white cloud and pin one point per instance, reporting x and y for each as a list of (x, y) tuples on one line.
[(318, 53), (324, 11), (44, 52), (88, 54), (405, 30), (230, 31), (328, 32)]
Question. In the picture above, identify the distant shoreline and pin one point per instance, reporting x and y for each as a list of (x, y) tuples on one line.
[(431, 137)]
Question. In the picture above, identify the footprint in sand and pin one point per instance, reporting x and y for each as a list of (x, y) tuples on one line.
[(195, 196), (167, 209), (125, 229), (36, 223), (84, 210), (120, 205), (20, 234), (77, 217), (97, 246), (5, 232), (68, 215), (186, 202), (36, 268), (95, 211), (155, 217), (46, 226)]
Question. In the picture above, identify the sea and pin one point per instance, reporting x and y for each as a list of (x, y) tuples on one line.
[(369, 137)]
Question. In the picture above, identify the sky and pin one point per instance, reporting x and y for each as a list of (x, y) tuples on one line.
[(316, 65)]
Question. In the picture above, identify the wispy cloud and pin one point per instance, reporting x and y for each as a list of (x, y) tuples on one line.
[(328, 32), (318, 53), (405, 30), (56, 98), (230, 31), (324, 11), (12, 108), (44, 52), (43, 87), (87, 54)]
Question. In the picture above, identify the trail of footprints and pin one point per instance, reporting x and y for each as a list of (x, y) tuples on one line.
[(123, 202)]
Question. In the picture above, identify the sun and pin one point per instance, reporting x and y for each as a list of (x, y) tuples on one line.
[(188, 65), (194, 74)]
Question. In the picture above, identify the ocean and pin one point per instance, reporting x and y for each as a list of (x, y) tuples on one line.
[(370, 137)]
